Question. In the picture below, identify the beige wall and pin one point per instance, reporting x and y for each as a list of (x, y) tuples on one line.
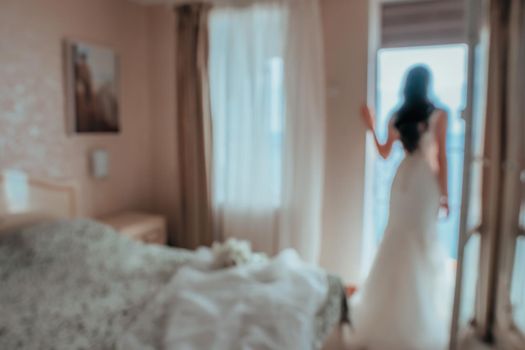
[(163, 108), (32, 113), (346, 44)]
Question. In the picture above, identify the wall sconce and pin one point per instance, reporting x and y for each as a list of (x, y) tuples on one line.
[(99, 163)]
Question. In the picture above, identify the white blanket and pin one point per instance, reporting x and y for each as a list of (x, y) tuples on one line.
[(268, 305)]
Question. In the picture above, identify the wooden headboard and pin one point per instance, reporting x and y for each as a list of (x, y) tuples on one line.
[(20, 193)]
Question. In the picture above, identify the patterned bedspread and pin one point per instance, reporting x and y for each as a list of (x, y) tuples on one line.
[(79, 285)]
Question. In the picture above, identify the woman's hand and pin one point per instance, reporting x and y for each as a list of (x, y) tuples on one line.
[(368, 118), (443, 205)]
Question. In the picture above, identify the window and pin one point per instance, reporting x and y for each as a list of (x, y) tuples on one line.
[(247, 102), (276, 88)]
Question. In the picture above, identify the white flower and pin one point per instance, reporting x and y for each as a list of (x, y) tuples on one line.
[(235, 252)]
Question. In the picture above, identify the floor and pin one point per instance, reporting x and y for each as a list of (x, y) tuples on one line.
[(340, 339)]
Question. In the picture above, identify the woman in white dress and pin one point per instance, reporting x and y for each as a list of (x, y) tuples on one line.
[(403, 303)]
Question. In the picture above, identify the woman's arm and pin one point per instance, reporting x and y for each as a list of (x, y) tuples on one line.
[(441, 129), (383, 149)]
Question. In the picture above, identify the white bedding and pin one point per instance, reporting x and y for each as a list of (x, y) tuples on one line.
[(256, 306), (79, 285)]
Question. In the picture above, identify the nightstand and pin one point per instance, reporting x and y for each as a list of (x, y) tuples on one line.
[(148, 228)]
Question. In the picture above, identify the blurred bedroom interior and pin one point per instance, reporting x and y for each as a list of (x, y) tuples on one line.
[(230, 174)]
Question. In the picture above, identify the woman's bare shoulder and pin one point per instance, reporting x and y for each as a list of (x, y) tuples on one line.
[(439, 117), (440, 122), (440, 113)]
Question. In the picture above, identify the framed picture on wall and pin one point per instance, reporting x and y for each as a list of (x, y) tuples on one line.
[(91, 88)]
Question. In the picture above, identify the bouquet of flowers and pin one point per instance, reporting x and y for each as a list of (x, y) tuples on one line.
[(236, 252)]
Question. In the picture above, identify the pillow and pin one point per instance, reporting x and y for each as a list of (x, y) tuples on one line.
[(17, 222)]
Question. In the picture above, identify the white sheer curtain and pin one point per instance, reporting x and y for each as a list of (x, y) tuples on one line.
[(246, 47), (267, 103), (303, 166)]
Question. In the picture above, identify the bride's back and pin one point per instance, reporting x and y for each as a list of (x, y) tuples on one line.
[(414, 197)]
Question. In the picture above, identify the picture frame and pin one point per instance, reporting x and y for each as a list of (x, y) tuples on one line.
[(92, 88)]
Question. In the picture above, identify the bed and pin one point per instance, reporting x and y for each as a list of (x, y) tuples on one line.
[(71, 283)]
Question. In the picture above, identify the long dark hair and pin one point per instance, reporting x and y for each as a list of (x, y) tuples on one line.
[(412, 117)]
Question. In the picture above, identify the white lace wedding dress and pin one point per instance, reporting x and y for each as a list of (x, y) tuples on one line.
[(405, 301)]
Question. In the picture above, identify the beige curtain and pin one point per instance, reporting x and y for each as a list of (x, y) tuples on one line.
[(491, 153), (193, 127), (500, 164), (510, 295)]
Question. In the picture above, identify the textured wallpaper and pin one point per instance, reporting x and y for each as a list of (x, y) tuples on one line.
[(33, 135)]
